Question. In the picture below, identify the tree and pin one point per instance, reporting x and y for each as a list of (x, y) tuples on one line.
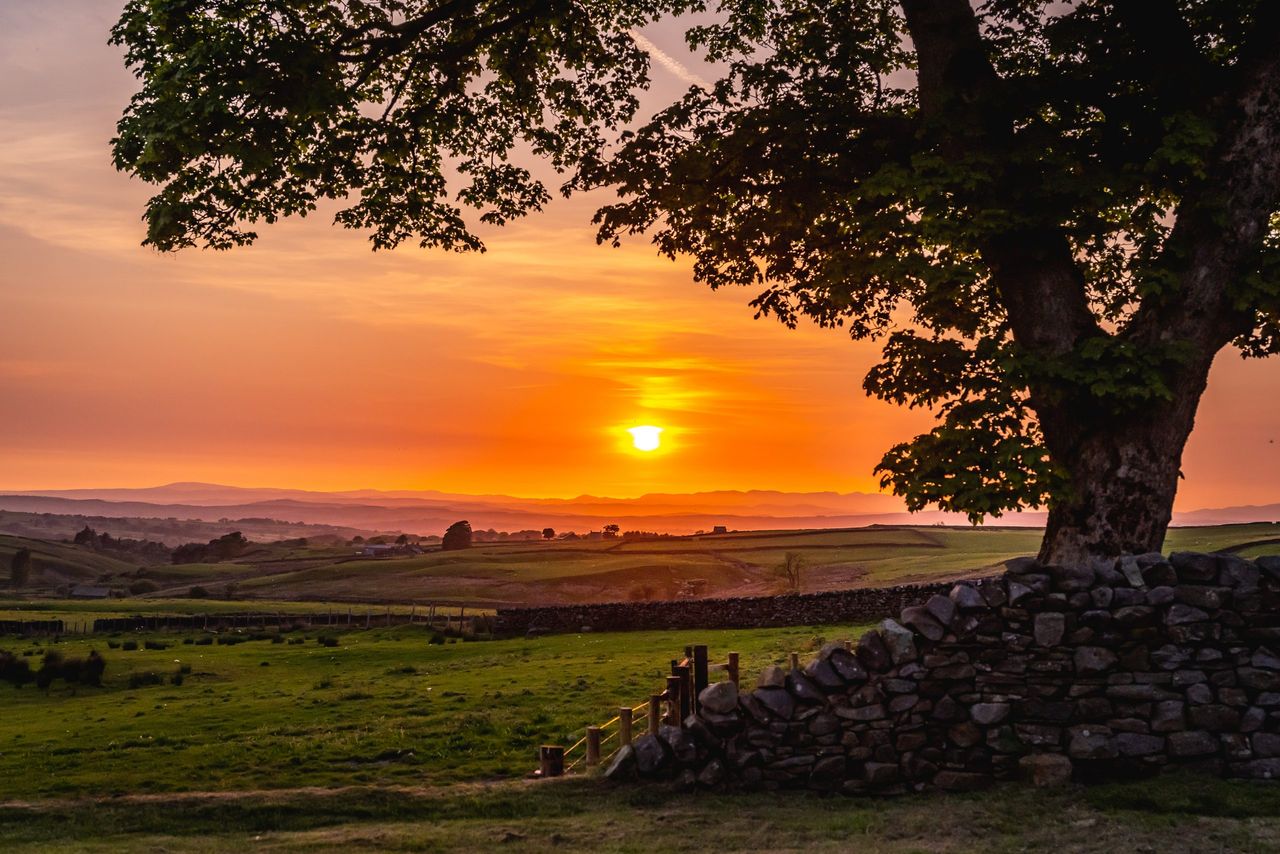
[(20, 568), (548, 533), (790, 571), (86, 537), (1053, 215), (611, 530), (402, 540), (458, 536)]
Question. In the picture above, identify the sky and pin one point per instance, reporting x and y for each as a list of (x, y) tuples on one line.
[(309, 361)]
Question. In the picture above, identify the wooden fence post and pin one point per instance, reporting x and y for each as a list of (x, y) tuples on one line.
[(795, 661), (593, 746), (655, 713), (700, 676), (673, 698), (624, 726), (732, 667), (551, 760), (686, 684)]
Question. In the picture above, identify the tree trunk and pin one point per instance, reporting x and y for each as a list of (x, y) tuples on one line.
[(1122, 475)]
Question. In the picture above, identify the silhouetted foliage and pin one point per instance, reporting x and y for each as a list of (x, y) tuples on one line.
[(1053, 215), (226, 547), (548, 533), (458, 536), (791, 571)]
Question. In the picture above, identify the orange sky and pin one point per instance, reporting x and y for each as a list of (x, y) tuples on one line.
[(308, 361)]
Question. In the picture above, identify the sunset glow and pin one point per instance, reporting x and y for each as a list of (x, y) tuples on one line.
[(309, 361), (646, 438)]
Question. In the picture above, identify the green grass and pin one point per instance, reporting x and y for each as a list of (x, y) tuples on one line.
[(384, 707), (388, 742)]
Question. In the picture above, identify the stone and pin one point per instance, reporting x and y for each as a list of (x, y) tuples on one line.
[(827, 771), (1180, 614), (681, 743), (1049, 628), (1194, 743), (1258, 769), (777, 700), (874, 653), (1091, 743), (967, 598), (965, 734), (1269, 565), (712, 774), (1132, 572), (803, 688), (1161, 595), (1101, 598), (1214, 717), (919, 618), (822, 674), (1068, 579), (1193, 567), (1168, 716), (1258, 679), (719, 698), (1137, 744), (1265, 659), (1093, 660), (772, 676), (987, 714), (1159, 573), (1238, 574), (1200, 596), (623, 764), (941, 608), (1018, 592), (1265, 744), (882, 773), (651, 754), (899, 640), (1046, 770), (873, 712), (1021, 566), (847, 666)]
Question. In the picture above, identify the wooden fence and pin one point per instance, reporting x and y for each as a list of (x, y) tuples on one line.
[(675, 703)]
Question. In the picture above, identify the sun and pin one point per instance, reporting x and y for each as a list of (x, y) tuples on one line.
[(645, 438)]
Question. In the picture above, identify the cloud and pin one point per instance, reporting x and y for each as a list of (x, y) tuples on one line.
[(667, 61)]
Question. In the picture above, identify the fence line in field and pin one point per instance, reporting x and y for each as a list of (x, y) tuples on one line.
[(445, 618)]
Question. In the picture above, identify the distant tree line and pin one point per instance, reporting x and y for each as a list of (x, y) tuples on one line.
[(226, 547), (145, 550)]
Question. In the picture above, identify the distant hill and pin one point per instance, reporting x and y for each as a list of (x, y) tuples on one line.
[(430, 512)]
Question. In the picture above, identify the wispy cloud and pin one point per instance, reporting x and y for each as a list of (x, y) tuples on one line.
[(667, 61)]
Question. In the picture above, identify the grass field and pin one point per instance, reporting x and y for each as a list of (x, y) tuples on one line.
[(496, 574), (387, 742)]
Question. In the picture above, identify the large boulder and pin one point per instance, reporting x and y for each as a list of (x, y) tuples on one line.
[(720, 698)]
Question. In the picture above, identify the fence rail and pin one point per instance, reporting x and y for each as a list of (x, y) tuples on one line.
[(672, 707)]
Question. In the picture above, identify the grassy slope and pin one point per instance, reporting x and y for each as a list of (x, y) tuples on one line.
[(54, 563), (422, 737), (384, 707)]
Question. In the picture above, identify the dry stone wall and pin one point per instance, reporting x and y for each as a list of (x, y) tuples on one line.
[(744, 612), (1047, 672)]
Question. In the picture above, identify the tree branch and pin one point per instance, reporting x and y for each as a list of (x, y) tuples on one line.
[(960, 94), (1221, 223)]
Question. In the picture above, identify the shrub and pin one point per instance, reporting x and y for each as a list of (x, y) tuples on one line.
[(130, 645), (157, 645), (176, 678), (184, 669), (277, 639), (204, 641), (141, 680), (188, 641), (297, 641), (198, 593), (143, 586), (327, 641), (114, 644)]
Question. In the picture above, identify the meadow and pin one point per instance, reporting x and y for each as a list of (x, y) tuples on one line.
[(388, 741), (492, 575)]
